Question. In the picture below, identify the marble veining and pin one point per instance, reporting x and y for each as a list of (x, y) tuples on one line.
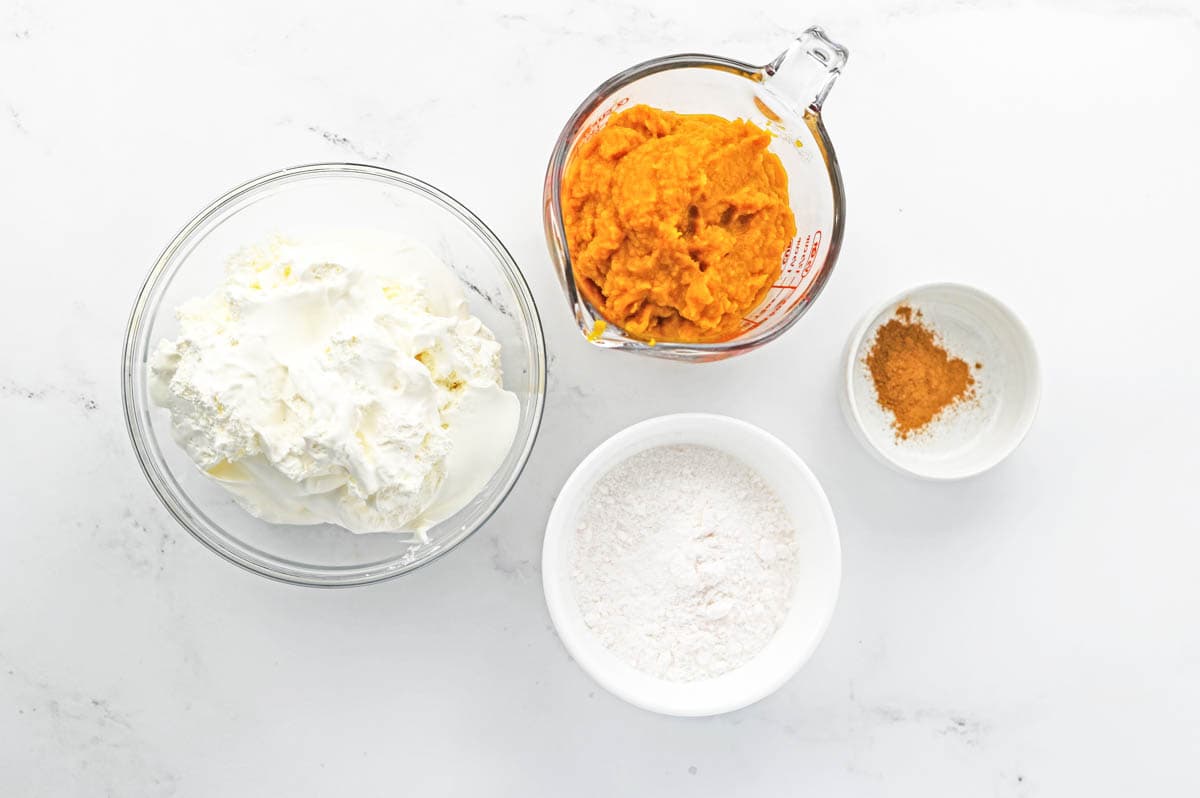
[(91, 745), (342, 143)]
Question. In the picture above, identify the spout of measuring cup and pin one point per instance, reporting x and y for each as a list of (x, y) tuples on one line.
[(804, 73)]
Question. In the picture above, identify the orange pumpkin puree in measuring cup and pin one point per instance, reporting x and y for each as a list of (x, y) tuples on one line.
[(676, 223)]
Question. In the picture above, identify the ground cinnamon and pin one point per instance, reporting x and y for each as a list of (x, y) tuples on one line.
[(915, 377)]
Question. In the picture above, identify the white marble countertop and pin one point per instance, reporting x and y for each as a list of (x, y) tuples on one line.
[(1030, 632)]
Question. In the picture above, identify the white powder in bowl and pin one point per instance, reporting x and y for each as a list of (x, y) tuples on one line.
[(684, 562)]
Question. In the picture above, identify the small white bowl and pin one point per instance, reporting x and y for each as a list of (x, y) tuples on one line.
[(818, 574), (970, 437)]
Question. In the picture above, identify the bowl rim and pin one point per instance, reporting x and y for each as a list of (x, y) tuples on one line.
[(1032, 401), (557, 592), (142, 438), (555, 229)]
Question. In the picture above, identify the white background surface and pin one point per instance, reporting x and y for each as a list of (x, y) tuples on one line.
[(1030, 632)]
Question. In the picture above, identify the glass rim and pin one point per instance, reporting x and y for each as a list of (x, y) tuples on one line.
[(556, 235), (174, 498)]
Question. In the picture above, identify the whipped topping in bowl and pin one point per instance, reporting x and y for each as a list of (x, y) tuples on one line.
[(338, 378)]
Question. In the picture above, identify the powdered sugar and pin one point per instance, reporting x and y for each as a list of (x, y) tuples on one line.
[(684, 562)]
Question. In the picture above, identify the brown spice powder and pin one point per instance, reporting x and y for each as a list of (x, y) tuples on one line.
[(915, 377)]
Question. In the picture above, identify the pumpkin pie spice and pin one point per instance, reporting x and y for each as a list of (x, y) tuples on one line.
[(915, 378)]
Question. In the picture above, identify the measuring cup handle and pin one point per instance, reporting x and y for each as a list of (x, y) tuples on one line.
[(804, 73)]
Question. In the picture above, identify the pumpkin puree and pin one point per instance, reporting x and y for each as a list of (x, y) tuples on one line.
[(676, 223)]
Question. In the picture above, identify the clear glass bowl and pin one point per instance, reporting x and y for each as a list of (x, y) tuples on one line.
[(326, 195), (785, 98)]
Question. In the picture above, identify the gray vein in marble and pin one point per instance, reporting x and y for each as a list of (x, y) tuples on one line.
[(635, 25), (16, 390), (93, 742), (969, 730), (344, 143), (511, 565), (143, 547), (127, 522), (486, 296), (557, 385)]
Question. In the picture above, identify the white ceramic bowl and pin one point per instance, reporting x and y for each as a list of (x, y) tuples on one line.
[(974, 436), (817, 579)]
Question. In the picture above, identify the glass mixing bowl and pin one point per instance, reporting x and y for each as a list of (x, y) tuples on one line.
[(326, 196), (784, 98)]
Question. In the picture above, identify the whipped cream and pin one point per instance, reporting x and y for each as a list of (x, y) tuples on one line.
[(338, 378)]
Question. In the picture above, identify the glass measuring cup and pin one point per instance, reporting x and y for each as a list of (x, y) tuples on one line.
[(783, 97)]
